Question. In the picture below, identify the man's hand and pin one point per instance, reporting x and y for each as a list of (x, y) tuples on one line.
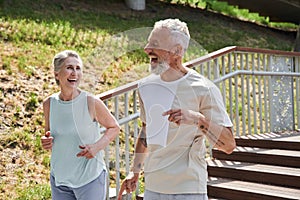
[(129, 184), (180, 116)]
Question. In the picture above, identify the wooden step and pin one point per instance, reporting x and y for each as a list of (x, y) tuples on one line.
[(260, 173), (277, 157), (242, 190), (289, 141)]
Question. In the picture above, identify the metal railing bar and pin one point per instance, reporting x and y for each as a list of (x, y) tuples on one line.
[(243, 94), (117, 146), (255, 73), (230, 88), (124, 120), (260, 96), (248, 95), (236, 97), (127, 134), (297, 69), (265, 95), (254, 95)]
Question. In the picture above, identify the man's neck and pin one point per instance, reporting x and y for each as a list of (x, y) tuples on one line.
[(173, 74)]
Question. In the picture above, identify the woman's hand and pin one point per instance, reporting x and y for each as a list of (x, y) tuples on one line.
[(47, 140), (89, 151)]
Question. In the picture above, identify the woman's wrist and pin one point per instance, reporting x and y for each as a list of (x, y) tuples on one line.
[(103, 142)]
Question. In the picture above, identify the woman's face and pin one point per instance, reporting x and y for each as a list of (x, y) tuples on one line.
[(70, 73)]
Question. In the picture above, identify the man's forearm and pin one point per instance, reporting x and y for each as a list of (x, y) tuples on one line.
[(140, 151), (221, 137)]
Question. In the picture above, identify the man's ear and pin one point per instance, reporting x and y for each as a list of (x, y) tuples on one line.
[(177, 50)]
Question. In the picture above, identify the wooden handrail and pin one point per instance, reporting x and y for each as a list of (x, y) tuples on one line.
[(119, 90), (267, 51), (210, 56)]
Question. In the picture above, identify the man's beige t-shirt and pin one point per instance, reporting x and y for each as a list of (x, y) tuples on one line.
[(176, 154)]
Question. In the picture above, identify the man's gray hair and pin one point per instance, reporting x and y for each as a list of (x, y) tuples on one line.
[(178, 29)]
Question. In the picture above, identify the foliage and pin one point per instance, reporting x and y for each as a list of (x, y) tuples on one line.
[(233, 11)]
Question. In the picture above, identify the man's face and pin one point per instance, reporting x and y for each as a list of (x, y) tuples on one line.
[(160, 38), (158, 49)]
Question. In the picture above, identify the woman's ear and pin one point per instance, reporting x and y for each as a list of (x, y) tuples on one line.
[(56, 77)]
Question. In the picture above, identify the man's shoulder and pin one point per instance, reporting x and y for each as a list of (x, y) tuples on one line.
[(148, 79), (194, 76)]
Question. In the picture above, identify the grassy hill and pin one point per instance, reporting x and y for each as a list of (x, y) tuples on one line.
[(32, 32)]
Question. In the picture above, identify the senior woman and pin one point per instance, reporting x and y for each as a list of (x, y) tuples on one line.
[(72, 133)]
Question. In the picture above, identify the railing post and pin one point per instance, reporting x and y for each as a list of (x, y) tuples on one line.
[(297, 88), (281, 95)]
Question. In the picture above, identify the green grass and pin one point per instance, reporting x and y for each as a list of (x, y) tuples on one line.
[(32, 32), (34, 192)]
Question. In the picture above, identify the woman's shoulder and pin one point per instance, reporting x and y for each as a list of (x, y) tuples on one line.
[(93, 100), (47, 100), (89, 96)]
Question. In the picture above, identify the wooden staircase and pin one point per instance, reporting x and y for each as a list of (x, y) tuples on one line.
[(262, 167)]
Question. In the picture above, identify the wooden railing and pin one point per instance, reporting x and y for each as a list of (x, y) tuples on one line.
[(260, 88)]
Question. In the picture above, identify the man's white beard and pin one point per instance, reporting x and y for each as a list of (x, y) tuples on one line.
[(160, 68)]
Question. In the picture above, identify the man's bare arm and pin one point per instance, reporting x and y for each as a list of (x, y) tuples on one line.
[(140, 150), (221, 137)]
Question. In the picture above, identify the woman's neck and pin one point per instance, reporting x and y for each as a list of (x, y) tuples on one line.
[(68, 95)]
